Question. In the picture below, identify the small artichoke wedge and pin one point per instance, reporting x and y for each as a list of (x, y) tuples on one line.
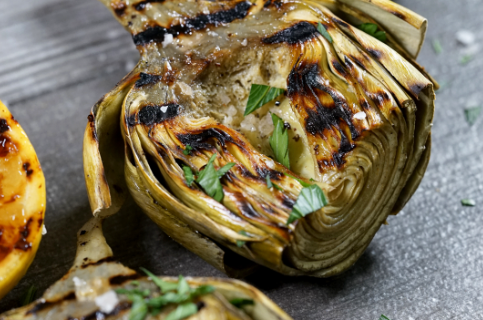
[(98, 287), (354, 121), (22, 202)]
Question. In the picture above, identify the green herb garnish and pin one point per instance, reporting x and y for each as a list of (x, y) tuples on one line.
[(209, 179), (269, 182), (437, 47), (279, 141), (468, 202), (383, 317), (303, 183), (241, 243), (188, 175), (241, 302), (179, 293), (260, 95), (465, 59), (29, 295), (135, 283), (323, 31), (187, 150), (472, 114), (309, 200), (183, 311), (372, 29)]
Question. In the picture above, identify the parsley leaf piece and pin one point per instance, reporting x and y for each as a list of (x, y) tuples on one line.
[(183, 286), (241, 302), (222, 171), (437, 47), (167, 298), (309, 200), (472, 114), (277, 187), (468, 202), (164, 286), (383, 317), (241, 243), (323, 31), (372, 30), (269, 182), (303, 183), (139, 308), (202, 290), (29, 295), (465, 59), (279, 141), (187, 150), (143, 293), (209, 179), (188, 175), (135, 283), (260, 95), (183, 311)]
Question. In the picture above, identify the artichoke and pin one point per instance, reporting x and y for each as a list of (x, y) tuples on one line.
[(97, 287), (336, 135)]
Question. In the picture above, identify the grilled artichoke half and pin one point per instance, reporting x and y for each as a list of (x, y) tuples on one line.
[(88, 291), (358, 113)]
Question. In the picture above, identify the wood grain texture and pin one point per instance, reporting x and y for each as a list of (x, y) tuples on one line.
[(58, 57)]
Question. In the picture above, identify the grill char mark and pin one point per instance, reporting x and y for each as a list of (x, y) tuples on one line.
[(298, 33), (146, 78), (200, 22), (142, 5), (150, 115), (199, 141), (304, 81)]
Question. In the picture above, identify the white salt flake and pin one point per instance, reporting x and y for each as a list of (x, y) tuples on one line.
[(168, 39), (360, 115), (465, 37), (44, 230), (163, 109), (107, 301), (244, 42)]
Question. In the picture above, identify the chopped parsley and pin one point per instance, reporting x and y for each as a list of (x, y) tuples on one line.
[(468, 202), (466, 59), (179, 293), (383, 317), (472, 114), (269, 182), (241, 243), (29, 295), (310, 199), (279, 141), (437, 47), (372, 29), (209, 179), (241, 302), (187, 150), (260, 95), (188, 175), (323, 31)]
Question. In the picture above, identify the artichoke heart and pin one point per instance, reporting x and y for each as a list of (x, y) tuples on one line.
[(357, 112)]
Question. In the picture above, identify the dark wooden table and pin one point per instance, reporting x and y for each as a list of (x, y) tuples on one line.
[(58, 57)]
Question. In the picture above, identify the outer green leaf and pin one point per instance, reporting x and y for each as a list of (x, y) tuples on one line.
[(164, 286), (187, 150), (241, 302), (210, 182), (188, 175), (222, 171), (139, 308), (279, 141), (323, 31), (260, 95), (183, 311), (309, 200), (472, 114)]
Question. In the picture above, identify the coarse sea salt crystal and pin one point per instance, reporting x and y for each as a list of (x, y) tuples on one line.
[(465, 37), (168, 39), (44, 230), (163, 109), (107, 301), (360, 116)]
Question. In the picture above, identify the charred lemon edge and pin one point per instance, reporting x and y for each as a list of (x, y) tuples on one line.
[(16, 263)]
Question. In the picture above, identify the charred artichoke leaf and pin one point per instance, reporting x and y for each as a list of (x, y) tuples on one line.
[(98, 287), (357, 112)]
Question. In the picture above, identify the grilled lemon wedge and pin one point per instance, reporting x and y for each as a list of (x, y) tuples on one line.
[(357, 111), (22, 202)]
